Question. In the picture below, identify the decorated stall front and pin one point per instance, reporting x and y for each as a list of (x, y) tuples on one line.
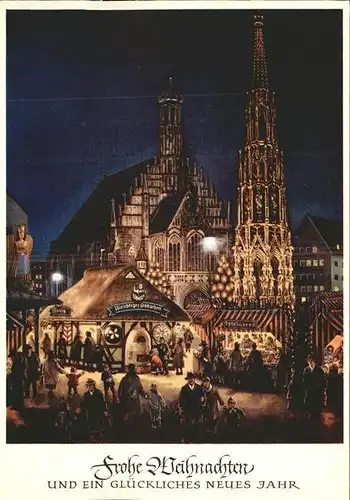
[(333, 354), (326, 319), (120, 310)]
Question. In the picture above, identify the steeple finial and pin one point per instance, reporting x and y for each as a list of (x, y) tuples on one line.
[(113, 216), (259, 56), (170, 81)]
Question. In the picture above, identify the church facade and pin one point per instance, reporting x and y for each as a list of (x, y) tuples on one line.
[(158, 211)]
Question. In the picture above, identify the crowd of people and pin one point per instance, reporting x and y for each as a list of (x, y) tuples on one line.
[(310, 390), (197, 408)]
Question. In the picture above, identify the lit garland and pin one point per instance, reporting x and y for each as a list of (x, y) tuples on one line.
[(223, 286), (156, 277)]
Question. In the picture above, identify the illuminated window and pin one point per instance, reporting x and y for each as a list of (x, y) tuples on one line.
[(308, 263), (336, 288), (321, 262), (303, 299), (316, 288), (321, 288), (302, 263), (314, 249), (303, 289), (315, 263), (309, 288), (194, 253), (338, 247)]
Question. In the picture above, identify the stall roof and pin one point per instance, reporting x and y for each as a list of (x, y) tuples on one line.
[(93, 297)]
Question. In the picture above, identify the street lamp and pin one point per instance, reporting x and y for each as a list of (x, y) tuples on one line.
[(57, 278)]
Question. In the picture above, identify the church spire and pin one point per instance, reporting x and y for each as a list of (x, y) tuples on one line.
[(170, 107), (262, 251), (259, 57), (113, 216)]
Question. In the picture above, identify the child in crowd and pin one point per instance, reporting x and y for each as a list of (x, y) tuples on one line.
[(73, 380), (233, 417), (108, 382), (157, 363), (63, 424), (156, 405)]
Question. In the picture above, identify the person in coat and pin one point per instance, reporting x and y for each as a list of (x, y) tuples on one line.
[(233, 417), (315, 386), (188, 338), (108, 382), (95, 408), (32, 371), (335, 386), (76, 347), (51, 372), (192, 402), (88, 351), (46, 345), (18, 376), (236, 365), (61, 348), (204, 360), (296, 394), (9, 364), (211, 409), (163, 352), (179, 355), (129, 392), (255, 366)]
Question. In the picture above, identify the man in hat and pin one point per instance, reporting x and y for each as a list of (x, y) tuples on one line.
[(32, 370), (191, 403), (211, 409), (95, 408)]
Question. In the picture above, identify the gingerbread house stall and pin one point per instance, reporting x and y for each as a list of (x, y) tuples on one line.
[(125, 314)]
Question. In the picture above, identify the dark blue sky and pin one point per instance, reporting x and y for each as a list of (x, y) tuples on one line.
[(82, 89)]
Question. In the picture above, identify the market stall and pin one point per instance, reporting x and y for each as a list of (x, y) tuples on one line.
[(326, 319), (333, 354), (120, 310)]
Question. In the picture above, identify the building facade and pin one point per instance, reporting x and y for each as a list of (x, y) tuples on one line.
[(40, 277), (263, 270), (166, 206), (318, 257)]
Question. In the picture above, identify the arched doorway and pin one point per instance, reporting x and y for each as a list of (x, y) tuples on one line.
[(137, 349)]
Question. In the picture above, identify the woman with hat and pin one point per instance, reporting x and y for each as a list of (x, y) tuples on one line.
[(51, 371), (211, 409), (96, 409)]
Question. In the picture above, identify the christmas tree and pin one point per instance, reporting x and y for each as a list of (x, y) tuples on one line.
[(156, 277), (222, 288)]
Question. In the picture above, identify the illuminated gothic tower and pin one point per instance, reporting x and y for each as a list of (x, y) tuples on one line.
[(262, 252)]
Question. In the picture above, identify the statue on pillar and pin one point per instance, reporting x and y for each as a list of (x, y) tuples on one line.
[(280, 283), (19, 250)]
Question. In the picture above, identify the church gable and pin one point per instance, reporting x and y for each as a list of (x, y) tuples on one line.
[(190, 214)]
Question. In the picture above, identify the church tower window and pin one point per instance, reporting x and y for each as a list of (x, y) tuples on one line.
[(195, 256), (174, 248)]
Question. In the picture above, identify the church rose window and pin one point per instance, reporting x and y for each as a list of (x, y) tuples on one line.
[(195, 256)]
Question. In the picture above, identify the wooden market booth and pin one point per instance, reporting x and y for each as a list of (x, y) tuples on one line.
[(125, 314), (22, 317), (326, 319)]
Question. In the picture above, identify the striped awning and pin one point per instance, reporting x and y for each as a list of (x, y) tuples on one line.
[(336, 320), (250, 319), (14, 321), (197, 311)]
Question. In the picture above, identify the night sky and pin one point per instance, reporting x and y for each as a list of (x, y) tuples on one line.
[(82, 89)]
